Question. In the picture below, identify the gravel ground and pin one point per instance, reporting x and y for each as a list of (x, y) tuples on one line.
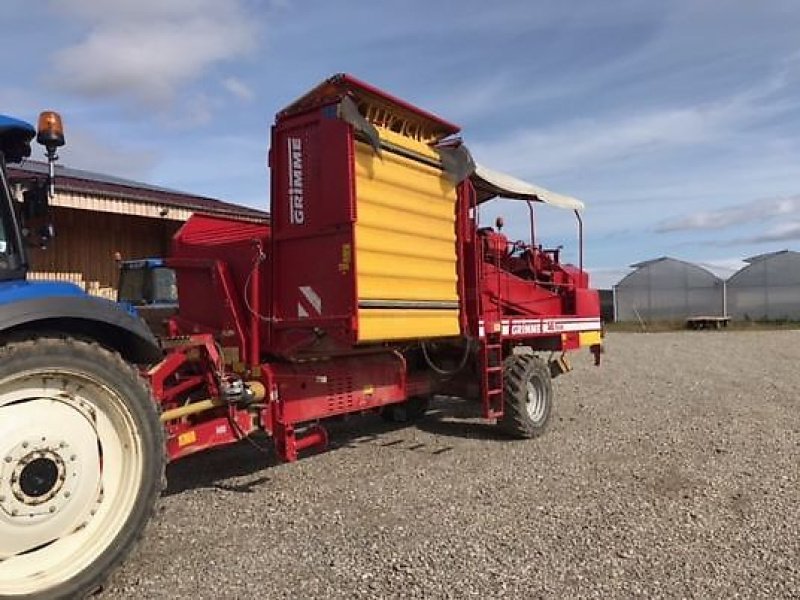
[(670, 471)]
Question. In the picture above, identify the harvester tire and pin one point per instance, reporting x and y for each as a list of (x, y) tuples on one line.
[(409, 411), (528, 396), (81, 466)]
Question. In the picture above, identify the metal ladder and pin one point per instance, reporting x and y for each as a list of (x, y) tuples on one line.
[(492, 375)]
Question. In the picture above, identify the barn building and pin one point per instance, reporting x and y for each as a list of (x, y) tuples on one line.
[(99, 219), (668, 289), (767, 288)]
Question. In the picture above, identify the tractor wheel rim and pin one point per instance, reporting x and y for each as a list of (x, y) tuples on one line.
[(535, 402), (70, 471)]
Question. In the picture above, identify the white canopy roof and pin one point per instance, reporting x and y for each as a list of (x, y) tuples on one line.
[(489, 183)]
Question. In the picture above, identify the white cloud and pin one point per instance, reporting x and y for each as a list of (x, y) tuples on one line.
[(197, 110), (149, 49), (574, 145), (722, 267), (779, 233), (748, 212), (606, 277), (580, 143), (238, 88), (85, 151), (19, 102), (590, 141)]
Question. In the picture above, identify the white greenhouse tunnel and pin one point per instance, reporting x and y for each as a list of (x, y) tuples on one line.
[(664, 289)]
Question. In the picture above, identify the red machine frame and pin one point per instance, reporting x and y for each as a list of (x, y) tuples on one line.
[(239, 361)]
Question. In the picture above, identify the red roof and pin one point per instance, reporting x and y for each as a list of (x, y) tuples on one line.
[(98, 184)]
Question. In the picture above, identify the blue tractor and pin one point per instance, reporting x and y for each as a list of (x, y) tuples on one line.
[(81, 444), (149, 286)]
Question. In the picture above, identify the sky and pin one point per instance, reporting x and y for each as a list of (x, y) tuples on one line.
[(676, 122)]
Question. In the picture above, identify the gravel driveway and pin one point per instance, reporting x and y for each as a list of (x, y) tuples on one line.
[(670, 471)]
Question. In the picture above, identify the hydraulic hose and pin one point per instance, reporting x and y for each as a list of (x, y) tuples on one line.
[(445, 372)]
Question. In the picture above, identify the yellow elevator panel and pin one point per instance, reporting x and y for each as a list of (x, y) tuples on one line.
[(405, 245)]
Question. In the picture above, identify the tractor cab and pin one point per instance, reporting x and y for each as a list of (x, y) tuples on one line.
[(149, 286), (15, 139), (15, 146)]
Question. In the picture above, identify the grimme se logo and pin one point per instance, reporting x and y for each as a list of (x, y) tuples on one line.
[(297, 215)]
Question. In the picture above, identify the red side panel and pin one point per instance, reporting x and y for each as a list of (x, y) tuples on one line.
[(319, 389), (587, 303), (214, 259), (314, 306), (506, 294)]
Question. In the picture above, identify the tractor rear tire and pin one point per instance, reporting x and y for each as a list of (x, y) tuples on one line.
[(81, 466), (528, 396), (409, 411)]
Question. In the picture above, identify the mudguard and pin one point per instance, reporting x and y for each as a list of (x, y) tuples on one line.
[(87, 316)]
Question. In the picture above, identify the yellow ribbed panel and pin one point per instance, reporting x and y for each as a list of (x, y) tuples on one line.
[(404, 243), (378, 324)]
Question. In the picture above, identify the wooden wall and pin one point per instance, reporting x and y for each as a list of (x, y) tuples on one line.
[(87, 241)]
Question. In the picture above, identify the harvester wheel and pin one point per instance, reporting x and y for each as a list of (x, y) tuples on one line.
[(409, 411), (528, 395), (81, 466)]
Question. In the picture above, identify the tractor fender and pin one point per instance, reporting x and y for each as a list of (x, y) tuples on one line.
[(84, 316)]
